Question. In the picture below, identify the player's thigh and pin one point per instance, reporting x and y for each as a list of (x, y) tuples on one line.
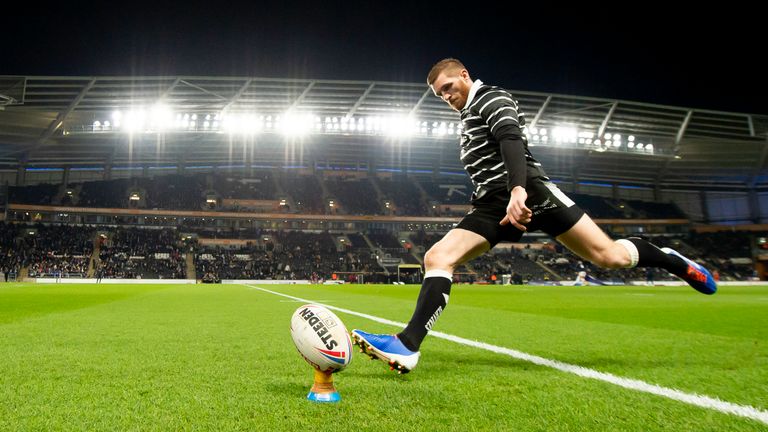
[(456, 248), (587, 240)]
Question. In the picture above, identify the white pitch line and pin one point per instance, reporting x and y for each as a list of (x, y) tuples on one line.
[(301, 300), (702, 401)]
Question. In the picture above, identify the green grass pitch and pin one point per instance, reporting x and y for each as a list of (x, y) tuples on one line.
[(220, 357)]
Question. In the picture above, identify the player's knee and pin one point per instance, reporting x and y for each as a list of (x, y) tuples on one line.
[(611, 258), (435, 258)]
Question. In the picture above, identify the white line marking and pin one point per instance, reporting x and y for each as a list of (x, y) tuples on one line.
[(299, 301), (632, 384)]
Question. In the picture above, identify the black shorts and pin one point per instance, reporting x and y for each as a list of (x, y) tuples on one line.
[(553, 213)]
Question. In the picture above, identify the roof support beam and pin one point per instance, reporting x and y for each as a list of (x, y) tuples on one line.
[(170, 89), (760, 167), (541, 111), (607, 118), (675, 148), (360, 101), (681, 131), (237, 95), (420, 102), (57, 122), (196, 87), (301, 96)]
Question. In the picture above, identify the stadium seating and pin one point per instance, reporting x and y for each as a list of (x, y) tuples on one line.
[(159, 253), (47, 250), (307, 253), (142, 253), (404, 195), (37, 194), (306, 192), (449, 191), (356, 196)]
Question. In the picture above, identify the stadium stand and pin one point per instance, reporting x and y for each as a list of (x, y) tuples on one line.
[(36, 194), (142, 253), (158, 253), (292, 255), (356, 196), (132, 252), (404, 194), (449, 191), (257, 186), (306, 192), (87, 163), (63, 251)]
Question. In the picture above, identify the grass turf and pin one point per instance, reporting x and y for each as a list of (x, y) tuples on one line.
[(163, 357)]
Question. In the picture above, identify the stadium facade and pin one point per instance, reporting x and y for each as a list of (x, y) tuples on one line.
[(630, 161)]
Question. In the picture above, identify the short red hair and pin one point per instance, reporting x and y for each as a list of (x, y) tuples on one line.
[(448, 64)]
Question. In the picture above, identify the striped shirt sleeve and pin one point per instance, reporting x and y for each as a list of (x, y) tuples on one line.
[(498, 109)]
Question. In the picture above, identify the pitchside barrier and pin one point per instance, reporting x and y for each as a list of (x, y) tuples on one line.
[(307, 282), (267, 282), (114, 281)]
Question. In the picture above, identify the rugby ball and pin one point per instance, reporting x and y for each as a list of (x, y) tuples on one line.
[(321, 338)]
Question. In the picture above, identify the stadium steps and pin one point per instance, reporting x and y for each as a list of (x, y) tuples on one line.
[(326, 193), (368, 241), (423, 194), (95, 260), (376, 250), (23, 273), (191, 271), (549, 270), (379, 194), (281, 194)]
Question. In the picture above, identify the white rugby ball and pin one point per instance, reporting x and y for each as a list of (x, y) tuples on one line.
[(321, 338)]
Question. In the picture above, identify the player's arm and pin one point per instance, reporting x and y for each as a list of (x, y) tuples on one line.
[(500, 114)]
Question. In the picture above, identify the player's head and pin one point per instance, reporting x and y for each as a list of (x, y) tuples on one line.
[(450, 81)]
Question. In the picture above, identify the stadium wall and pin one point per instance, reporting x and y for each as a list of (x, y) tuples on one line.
[(114, 281)]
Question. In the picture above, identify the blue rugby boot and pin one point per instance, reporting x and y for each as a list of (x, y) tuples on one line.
[(387, 348), (697, 276)]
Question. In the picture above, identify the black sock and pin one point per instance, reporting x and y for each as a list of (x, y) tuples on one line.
[(432, 300), (651, 256)]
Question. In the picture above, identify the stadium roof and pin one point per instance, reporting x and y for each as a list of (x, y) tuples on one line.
[(48, 121)]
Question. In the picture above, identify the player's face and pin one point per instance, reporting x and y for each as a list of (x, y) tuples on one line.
[(453, 87)]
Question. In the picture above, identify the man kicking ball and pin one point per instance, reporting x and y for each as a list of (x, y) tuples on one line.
[(512, 195)]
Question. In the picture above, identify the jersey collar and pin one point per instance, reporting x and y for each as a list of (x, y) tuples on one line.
[(472, 91)]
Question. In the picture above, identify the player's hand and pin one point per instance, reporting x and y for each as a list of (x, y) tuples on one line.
[(517, 213)]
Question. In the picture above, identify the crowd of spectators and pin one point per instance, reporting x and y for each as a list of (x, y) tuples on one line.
[(56, 250), (67, 251), (291, 255), (142, 253)]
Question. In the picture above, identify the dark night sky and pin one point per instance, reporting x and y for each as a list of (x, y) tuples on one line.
[(703, 59)]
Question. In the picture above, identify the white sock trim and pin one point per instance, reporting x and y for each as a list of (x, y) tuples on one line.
[(439, 273), (634, 255)]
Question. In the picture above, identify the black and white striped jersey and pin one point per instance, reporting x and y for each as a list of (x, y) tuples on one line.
[(488, 112)]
